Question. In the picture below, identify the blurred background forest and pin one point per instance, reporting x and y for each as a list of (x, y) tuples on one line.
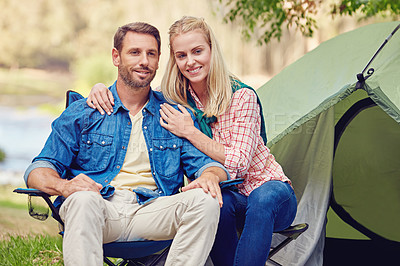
[(50, 46)]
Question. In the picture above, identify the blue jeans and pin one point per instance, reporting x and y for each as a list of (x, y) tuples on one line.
[(269, 208)]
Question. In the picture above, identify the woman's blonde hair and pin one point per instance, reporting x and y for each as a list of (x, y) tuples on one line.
[(174, 84)]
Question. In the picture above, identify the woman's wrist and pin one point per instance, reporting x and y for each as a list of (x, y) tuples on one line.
[(190, 133)]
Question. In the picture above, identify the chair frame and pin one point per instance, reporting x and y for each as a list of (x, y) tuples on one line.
[(146, 248), (291, 233)]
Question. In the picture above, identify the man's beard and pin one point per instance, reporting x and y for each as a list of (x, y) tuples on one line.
[(132, 83)]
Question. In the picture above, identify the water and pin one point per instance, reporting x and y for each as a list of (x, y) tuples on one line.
[(22, 136)]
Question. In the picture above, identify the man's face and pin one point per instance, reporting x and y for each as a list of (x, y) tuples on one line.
[(138, 61)]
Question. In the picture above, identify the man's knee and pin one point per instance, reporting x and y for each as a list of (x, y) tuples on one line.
[(204, 203), (82, 203)]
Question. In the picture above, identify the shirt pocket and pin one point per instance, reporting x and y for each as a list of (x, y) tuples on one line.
[(94, 153), (167, 156)]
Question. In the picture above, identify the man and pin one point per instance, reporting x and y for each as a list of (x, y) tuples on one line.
[(118, 175)]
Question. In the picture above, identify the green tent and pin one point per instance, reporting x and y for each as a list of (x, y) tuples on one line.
[(337, 136)]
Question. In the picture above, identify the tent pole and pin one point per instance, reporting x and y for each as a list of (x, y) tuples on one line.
[(381, 47)]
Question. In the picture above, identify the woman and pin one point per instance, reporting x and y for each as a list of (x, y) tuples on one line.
[(230, 132)]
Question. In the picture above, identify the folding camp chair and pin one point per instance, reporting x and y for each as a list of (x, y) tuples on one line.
[(291, 233), (133, 252)]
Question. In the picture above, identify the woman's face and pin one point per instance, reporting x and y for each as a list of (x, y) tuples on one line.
[(192, 55)]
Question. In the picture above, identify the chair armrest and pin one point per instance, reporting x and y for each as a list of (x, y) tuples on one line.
[(294, 231), (229, 183), (31, 192), (38, 193)]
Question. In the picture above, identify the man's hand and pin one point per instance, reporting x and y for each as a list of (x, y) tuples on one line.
[(209, 182), (48, 181), (80, 183)]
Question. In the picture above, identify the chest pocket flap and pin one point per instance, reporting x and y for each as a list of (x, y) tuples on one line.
[(95, 151), (167, 155)]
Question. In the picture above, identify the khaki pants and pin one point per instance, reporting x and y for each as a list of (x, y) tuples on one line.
[(190, 218)]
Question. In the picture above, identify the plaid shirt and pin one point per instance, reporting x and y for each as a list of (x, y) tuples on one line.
[(238, 129)]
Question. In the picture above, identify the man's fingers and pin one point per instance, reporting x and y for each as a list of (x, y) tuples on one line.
[(99, 186), (90, 103)]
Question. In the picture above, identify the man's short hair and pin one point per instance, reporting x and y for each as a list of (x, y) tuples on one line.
[(138, 27)]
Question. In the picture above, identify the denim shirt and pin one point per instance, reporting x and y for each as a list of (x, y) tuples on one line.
[(84, 141)]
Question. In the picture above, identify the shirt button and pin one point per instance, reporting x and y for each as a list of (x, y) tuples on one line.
[(160, 192), (145, 127), (151, 149), (174, 146), (154, 173), (88, 142), (123, 147), (161, 147), (103, 142), (118, 166), (129, 123)]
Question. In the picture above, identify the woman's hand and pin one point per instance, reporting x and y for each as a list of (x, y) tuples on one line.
[(179, 123), (209, 182), (101, 98)]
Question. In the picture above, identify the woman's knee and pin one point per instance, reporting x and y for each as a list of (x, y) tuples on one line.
[(271, 193)]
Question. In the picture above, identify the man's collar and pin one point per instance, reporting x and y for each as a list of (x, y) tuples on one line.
[(117, 101), (150, 106)]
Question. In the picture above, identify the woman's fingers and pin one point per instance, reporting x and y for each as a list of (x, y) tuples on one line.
[(208, 186), (101, 98)]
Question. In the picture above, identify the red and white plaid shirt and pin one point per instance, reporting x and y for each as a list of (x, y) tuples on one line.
[(238, 129)]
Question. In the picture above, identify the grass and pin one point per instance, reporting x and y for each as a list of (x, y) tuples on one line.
[(24, 240), (31, 250)]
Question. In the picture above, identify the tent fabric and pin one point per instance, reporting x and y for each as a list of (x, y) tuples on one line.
[(327, 74), (302, 106), (314, 141)]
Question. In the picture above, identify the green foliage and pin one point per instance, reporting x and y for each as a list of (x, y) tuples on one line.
[(369, 8), (2, 155), (264, 19), (91, 70), (31, 250), (51, 34)]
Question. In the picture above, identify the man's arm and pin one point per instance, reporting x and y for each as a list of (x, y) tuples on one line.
[(209, 181), (49, 181)]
